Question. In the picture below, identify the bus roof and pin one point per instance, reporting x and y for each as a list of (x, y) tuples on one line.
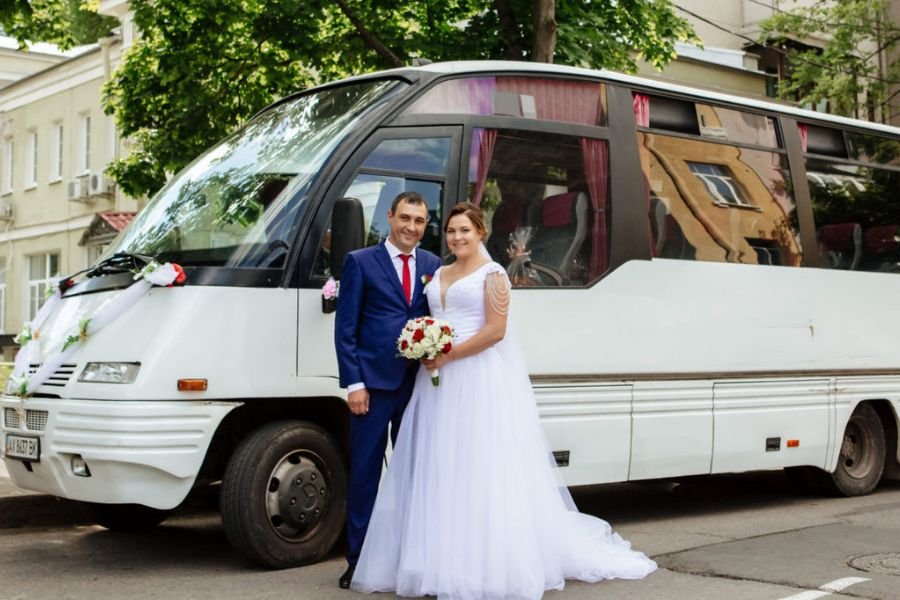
[(489, 66)]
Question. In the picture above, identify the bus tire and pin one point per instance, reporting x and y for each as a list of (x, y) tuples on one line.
[(123, 517), (862, 454), (284, 495)]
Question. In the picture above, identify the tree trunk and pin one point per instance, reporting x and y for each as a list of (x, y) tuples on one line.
[(544, 31), (512, 40)]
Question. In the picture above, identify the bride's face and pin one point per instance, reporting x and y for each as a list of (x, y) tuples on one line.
[(463, 238)]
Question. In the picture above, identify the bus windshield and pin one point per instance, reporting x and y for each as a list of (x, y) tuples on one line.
[(238, 204)]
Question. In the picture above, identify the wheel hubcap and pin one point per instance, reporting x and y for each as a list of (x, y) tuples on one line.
[(298, 496), (857, 450)]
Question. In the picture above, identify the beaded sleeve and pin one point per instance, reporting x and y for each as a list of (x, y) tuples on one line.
[(496, 290)]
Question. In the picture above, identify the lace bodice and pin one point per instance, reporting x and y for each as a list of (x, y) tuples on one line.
[(464, 302)]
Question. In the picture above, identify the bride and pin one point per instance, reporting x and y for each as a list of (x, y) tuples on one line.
[(471, 507)]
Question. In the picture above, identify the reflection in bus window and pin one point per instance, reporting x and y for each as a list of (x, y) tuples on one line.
[(545, 201), (856, 214), (719, 202)]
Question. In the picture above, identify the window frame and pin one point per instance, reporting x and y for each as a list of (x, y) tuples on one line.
[(56, 152), (31, 159), (304, 274), (34, 293)]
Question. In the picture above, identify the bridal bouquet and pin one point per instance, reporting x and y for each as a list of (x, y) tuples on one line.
[(425, 338)]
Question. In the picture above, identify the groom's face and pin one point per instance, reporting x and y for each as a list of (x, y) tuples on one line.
[(407, 225)]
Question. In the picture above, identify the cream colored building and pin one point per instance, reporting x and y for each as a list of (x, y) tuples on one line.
[(57, 208), (730, 60)]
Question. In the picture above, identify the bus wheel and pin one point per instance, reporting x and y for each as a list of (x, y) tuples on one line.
[(861, 461), (123, 517), (283, 495)]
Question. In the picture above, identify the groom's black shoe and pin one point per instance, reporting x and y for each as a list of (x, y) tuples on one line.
[(346, 578)]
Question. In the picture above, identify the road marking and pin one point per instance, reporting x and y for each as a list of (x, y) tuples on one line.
[(826, 590), (841, 584), (810, 595)]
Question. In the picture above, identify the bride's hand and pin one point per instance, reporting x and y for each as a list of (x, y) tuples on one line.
[(437, 363)]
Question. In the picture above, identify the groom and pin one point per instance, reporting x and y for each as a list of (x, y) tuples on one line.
[(381, 288)]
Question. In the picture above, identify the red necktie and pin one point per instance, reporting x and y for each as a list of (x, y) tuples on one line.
[(407, 279)]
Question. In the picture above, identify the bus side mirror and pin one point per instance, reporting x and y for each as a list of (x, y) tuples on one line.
[(347, 234)]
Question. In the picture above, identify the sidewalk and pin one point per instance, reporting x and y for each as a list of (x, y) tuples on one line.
[(22, 508)]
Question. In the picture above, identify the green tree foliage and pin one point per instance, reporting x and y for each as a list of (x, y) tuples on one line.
[(65, 23), (202, 67), (850, 69)]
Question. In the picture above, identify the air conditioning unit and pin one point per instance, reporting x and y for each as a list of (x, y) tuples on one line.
[(78, 190), (6, 210), (99, 185)]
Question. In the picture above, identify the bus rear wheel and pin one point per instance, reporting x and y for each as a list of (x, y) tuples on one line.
[(123, 517), (861, 461), (862, 454), (283, 495)]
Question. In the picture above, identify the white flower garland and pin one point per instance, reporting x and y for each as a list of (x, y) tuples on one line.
[(153, 274)]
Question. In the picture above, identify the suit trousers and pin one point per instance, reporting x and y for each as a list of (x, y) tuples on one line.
[(368, 442)]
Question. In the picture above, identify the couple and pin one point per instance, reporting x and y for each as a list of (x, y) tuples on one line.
[(471, 506)]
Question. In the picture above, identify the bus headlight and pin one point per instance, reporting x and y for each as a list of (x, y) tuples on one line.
[(108, 372)]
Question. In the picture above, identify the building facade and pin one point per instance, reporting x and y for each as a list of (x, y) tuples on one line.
[(57, 207), (731, 58)]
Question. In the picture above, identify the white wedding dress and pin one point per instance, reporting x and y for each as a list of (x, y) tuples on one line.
[(471, 507)]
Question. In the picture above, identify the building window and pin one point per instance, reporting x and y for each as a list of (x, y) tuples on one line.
[(56, 152), (43, 273), (8, 151), (85, 144), (719, 183), (2, 294), (31, 160)]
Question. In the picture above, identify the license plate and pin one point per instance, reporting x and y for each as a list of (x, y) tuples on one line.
[(27, 448)]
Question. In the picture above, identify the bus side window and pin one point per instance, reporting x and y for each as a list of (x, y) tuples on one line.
[(717, 184), (395, 166), (545, 200), (854, 205)]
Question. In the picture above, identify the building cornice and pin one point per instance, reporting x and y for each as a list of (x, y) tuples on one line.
[(32, 231)]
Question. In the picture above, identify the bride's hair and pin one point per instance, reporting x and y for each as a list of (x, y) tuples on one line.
[(473, 212)]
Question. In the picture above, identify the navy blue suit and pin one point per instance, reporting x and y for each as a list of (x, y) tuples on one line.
[(370, 314)]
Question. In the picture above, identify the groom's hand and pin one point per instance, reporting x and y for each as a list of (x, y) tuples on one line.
[(359, 401)]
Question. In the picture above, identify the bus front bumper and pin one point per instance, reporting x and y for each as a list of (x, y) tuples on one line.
[(134, 452)]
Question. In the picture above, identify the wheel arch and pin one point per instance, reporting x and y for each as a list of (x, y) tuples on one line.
[(329, 413), (887, 413)]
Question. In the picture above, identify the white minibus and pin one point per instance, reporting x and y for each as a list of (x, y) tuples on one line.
[(703, 284)]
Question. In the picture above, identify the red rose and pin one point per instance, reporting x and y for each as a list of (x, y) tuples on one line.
[(447, 348), (419, 335), (446, 330), (404, 345), (429, 321), (180, 277)]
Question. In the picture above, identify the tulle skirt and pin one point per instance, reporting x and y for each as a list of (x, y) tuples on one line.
[(471, 507)]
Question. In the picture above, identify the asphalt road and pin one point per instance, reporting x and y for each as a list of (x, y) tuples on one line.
[(740, 537)]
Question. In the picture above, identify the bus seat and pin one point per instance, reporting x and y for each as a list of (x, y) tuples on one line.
[(841, 245), (880, 239), (560, 230), (508, 217)]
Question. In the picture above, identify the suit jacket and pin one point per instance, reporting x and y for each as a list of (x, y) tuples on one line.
[(371, 311)]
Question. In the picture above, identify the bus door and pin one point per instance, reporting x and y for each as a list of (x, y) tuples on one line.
[(393, 160)]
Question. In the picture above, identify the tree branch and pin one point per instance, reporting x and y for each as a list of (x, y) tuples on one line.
[(368, 37)]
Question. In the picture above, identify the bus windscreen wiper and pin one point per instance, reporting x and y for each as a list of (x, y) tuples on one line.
[(120, 262)]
